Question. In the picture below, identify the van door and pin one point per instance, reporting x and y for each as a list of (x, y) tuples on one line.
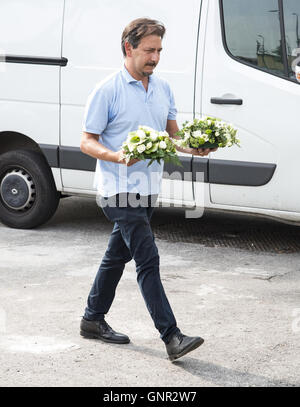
[(249, 81), (92, 44)]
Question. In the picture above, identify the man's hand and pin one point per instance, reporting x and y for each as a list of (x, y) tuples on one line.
[(197, 151), (202, 151), (121, 160)]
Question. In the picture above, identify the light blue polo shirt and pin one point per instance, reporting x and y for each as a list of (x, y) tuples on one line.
[(118, 105)]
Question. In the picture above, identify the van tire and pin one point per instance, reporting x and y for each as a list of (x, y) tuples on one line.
[(28, 195)]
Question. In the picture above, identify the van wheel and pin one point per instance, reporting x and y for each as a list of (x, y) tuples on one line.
[(28, 196)]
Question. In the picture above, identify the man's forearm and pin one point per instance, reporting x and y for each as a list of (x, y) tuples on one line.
[(172, 129), (92, 147)]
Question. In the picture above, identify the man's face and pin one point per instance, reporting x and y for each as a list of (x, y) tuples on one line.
[(146, 56)]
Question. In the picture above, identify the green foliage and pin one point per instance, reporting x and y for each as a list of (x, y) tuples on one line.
[(207, 132)]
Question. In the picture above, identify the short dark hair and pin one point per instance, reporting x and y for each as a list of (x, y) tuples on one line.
[(140, 28)]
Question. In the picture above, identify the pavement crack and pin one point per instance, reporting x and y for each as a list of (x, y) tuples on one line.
[(265, 278), (269, 278)]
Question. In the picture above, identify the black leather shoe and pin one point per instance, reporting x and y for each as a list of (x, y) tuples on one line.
[(180, 345), (101, 330)]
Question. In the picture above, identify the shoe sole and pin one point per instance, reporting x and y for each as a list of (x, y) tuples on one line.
[(193, 346), (88, 335)]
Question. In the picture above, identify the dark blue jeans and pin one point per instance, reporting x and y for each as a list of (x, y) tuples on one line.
[(131, 238)]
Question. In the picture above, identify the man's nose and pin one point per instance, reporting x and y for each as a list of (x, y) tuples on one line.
[(155, 57)]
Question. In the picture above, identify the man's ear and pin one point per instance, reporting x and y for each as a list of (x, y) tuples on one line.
[(128, 49)]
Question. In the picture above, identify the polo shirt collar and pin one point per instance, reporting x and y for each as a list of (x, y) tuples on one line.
[(129, 78)]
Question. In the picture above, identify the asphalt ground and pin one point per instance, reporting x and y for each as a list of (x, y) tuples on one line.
[(242, 299)]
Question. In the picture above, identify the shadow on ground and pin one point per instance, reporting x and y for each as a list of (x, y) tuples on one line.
[(213, 229)]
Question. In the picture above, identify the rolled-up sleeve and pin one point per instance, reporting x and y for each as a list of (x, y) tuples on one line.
[(96, 112)]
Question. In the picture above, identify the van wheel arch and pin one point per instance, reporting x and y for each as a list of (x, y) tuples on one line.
[(12, 140)]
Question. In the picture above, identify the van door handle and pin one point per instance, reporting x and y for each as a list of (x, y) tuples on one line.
[(223, 101)]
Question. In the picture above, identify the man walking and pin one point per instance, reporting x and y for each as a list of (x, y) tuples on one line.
[(121, 103)]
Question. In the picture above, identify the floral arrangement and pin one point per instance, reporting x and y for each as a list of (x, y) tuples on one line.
[(148, 144), (207, 132)]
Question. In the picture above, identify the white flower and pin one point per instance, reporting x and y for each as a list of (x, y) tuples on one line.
[(162, 145), (149, 145), (141, 148), (186, 136), (153, 136), (180, 143), (141, 134), (189, 124), (164, 133), (131, 147), (197, 133)]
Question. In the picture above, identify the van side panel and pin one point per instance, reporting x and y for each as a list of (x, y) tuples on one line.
[(30, 33)]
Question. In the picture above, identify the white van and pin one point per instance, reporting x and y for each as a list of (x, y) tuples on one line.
[(232, 59)]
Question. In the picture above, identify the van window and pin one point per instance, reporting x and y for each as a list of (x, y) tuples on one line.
[(252, 33), (291, 12)]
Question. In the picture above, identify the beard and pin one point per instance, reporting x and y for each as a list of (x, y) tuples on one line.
[(146, 74)]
